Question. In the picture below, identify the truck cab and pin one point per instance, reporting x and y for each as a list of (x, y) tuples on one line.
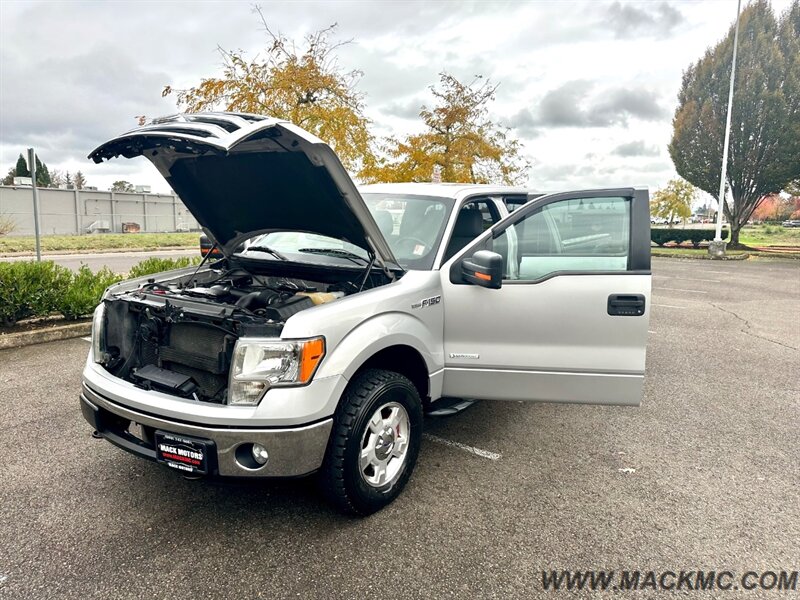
[(326, 318)]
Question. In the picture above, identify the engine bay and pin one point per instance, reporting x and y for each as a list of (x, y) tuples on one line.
[(273, 299), (178, 335)]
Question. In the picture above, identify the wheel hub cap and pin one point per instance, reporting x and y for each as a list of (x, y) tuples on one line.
[(384, 445)]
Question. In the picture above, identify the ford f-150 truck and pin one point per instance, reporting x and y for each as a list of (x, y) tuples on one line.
[(338, 316)]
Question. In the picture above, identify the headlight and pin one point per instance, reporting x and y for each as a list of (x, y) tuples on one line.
[(99, 334), (259, 364)]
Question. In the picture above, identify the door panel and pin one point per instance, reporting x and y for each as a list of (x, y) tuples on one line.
[(547, 334)]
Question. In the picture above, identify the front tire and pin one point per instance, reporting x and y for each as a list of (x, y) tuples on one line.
[(374, 443)]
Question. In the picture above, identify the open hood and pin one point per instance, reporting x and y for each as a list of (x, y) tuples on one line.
[(241, 175)]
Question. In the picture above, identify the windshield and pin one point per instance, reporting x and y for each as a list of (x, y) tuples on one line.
[(301, 246), (412, 225)]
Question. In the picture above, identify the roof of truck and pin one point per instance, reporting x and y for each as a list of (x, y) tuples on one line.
[(447, 190)]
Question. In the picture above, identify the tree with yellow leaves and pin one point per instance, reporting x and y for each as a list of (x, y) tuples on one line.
[(673, 202), (305, 86), (460, 141)]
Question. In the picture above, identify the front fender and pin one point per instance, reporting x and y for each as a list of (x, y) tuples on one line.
[(378, 333)]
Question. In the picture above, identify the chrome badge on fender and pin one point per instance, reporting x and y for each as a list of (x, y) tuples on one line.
[(427, 302)]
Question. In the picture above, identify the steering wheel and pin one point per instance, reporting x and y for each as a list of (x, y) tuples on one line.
[(411, 240)]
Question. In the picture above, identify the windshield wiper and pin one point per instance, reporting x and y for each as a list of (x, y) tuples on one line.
[(337, 253), (268, 250)]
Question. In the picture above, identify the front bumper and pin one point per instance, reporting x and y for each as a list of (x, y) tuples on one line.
[(292, 451)]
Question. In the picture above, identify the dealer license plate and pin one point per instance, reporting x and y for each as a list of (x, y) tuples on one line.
[(189, 455)]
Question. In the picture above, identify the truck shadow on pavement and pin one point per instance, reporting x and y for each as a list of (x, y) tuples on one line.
[(176, 502)]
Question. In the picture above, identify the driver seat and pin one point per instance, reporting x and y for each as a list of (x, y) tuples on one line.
[(469, 225)]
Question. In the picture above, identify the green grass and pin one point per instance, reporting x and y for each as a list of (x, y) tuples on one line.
[(770, 235), (101, 241), (703, 253), (756, 235)]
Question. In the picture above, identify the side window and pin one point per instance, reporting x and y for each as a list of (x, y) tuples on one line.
[(580, 234), (473, 219)]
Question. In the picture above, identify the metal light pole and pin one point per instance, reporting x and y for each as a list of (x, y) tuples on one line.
[(717, 247), (36, 228)]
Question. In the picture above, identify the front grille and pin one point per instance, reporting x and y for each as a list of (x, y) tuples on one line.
[(197, 349)]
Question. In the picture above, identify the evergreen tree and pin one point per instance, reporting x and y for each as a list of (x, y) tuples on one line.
[(42, 174), (765, 120), (22, 167)]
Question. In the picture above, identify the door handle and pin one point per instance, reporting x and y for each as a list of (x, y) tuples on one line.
[(626, 305)]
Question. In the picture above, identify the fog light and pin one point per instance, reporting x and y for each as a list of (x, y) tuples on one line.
[(260, 454)]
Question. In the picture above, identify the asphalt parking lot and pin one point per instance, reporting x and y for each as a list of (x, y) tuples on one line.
[(705, 474)]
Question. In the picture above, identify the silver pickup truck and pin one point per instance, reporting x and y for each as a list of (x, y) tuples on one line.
[(338, 316)]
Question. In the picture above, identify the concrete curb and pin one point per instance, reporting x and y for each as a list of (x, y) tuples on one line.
[(48, 334), (744, 256)]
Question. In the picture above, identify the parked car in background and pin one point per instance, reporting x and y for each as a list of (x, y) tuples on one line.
[(791, 223)]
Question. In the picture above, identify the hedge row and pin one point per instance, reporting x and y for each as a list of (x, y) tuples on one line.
[(39, 289), (662, 236), (157, 265)]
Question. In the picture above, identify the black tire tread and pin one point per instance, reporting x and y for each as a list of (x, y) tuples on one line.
[(332, 473)]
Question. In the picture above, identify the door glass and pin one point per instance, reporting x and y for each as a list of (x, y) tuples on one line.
[(580, 234)]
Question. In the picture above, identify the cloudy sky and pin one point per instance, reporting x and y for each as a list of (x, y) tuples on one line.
[(589, 87)]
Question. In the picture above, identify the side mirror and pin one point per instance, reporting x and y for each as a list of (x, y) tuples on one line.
[(484, 268), (206, 246)]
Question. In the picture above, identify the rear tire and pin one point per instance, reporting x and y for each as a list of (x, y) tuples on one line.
[(374, 443)]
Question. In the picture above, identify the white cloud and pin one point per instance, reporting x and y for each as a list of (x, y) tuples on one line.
[(589, 87)]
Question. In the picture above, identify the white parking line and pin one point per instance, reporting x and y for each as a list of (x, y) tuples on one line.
[(464, 447), (681, 290), (668, 306), (698, 279), (87, 339), (686, 278)]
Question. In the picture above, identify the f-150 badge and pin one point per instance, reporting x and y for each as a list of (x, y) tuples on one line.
[(427, 302)]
